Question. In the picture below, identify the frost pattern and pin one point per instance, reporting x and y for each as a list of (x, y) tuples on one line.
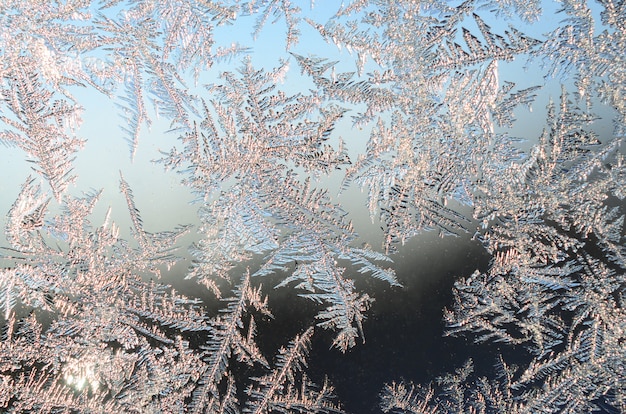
[(88, 325)]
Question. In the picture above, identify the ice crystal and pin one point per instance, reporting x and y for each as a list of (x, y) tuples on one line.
[(89, 323)]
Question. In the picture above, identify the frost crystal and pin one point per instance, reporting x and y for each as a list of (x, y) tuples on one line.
[(89, 323)]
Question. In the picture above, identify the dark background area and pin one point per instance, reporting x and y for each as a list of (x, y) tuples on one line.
[(404, 331)]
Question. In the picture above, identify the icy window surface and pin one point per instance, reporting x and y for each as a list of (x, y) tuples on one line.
[(295, 206)]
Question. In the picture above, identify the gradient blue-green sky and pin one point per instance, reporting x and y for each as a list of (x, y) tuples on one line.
[(164, 202)]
